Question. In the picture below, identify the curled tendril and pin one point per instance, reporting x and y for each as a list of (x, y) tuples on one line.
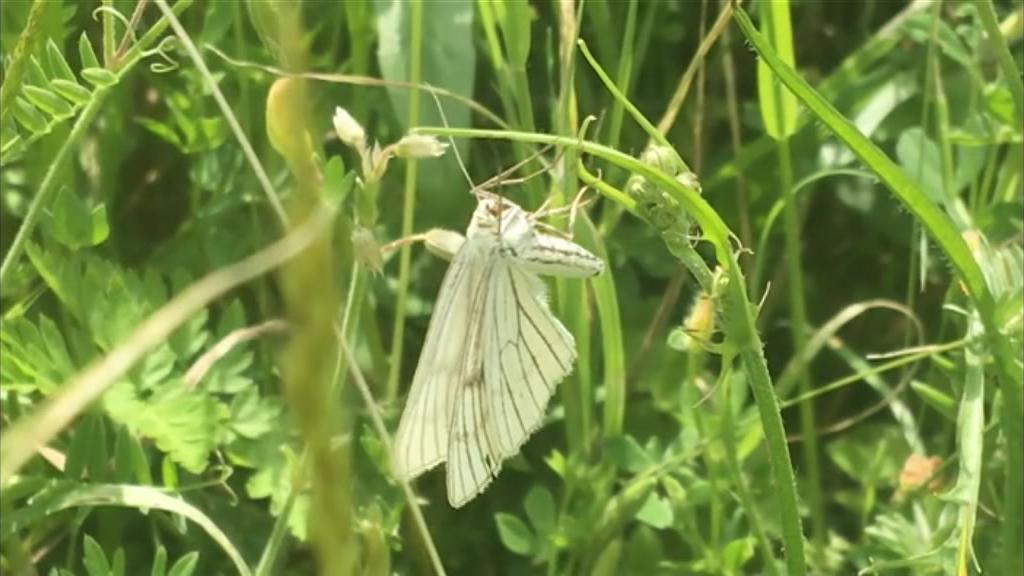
[(162, 50), (119, 17)]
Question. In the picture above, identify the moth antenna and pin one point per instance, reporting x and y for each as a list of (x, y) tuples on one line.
[(500, 178), (455, 149)]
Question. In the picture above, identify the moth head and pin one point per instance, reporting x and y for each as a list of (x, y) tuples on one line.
[(494, 212)]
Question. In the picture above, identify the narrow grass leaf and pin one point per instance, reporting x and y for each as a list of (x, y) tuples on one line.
[(778, 106)]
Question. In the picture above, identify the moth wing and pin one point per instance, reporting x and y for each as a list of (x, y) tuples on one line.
[(527, 353), (472, 458), (423, 432)]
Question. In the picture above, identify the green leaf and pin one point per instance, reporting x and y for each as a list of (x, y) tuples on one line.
[(34, 355), (514, 534), (918, 155), (162, 130), (937, 399), (59, 67), (98, 225), (35, 73), (159, 562), (778, 106), (185, 565), (86, 54), (131, 465), (73, 91), (183, 423), (94, 559), (871, 455), (540, 509), (337, 183), (28, 116), (99, 77), (48, 102), (626, 453), (448, 60), (117, 566), (515, 29), (736, 554), (656, 512), (252, 416), (74, 224)]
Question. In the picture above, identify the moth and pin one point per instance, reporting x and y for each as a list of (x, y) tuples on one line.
[(494, 352)]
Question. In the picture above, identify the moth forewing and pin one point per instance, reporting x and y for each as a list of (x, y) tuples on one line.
[(423, 433)]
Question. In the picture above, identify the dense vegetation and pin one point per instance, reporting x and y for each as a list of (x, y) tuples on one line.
[(804, 355)]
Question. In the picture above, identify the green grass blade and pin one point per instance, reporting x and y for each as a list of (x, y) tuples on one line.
[(778, 106)]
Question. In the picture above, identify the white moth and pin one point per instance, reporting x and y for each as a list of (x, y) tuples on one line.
[(494, 352)]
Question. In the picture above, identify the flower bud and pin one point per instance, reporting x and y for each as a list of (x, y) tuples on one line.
[(348, 129), (444, 243), (366, 249), (415, 146)]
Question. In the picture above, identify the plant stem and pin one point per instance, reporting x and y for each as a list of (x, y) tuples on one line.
[(408, 204), (20, 57), (798, 314), (728, 433)]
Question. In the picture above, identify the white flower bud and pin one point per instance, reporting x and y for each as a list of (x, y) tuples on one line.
[(348, 130), (443, 243), (415, 146)]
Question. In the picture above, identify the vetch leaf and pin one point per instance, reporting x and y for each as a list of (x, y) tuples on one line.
[(28, 116), (59, 67), (99, 77), (35, 75), (159, 562), (94, 559), (185, 565), (86, 54), (73, 91), (47, 101)]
